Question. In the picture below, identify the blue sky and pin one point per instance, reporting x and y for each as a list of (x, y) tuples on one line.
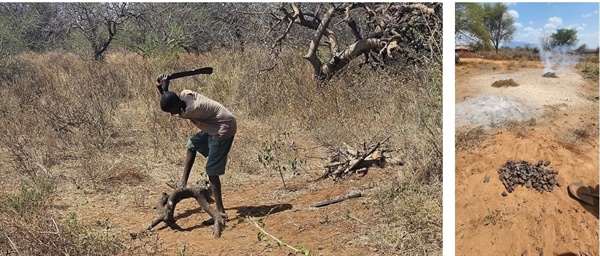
[(534, 20)]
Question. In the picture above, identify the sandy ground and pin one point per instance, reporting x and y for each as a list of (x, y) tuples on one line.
[(556, 119), (337, 229)]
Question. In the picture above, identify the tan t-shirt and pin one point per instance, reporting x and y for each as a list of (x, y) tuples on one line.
[(208, 115)]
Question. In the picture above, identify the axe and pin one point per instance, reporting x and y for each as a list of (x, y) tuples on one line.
[(164, 83), (206, 70)]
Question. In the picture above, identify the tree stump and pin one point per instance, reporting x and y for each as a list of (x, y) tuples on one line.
[(165, 207)]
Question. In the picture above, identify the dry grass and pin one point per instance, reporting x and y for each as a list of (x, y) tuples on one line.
[(96, 125), (583, 134), (512, 54), (29, 227), (407, 216), (469, 138), (588, 67), (521, 128)]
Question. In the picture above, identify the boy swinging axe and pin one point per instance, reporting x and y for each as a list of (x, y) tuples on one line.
[(217, 127)]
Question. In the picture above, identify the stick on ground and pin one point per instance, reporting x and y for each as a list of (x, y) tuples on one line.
[(344, 198), (265, 232)]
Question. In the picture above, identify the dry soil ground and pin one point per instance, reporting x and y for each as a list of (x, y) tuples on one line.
[(337, 229), (553, 119)]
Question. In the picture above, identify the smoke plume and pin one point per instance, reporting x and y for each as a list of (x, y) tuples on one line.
[(558, 60)]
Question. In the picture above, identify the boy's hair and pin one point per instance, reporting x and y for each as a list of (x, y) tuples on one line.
[(169, 101)]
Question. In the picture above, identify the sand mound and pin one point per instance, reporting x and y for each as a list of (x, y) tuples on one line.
[(505, 83)]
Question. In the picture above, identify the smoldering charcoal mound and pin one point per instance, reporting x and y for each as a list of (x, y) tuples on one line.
[(550, 75), (539, 176)]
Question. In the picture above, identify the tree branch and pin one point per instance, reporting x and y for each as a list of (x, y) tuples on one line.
[(311, 56)]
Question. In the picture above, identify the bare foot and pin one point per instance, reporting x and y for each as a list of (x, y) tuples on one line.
[(211, 221)]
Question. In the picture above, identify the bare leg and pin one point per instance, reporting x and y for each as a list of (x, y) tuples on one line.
[(215, 185), (190, 156)]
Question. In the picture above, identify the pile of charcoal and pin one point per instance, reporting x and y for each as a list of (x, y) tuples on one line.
[(540, 176)]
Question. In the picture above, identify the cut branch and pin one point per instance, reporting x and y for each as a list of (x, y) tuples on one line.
[(348, 160), (354, 164), (165, 207)]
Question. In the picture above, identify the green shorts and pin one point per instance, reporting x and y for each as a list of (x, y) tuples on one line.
[(215, 150)]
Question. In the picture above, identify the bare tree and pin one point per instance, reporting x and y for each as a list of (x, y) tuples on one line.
[(195, 27), (99, 22), (546, 42), (379, 32)]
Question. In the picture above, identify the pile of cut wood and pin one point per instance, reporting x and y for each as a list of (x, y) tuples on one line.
[(348, 160)]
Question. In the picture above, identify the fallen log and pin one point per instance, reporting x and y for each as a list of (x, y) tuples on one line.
[(165, 207)]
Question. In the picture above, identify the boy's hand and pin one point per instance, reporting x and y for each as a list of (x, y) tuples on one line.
[(162, 83), (162, 80)]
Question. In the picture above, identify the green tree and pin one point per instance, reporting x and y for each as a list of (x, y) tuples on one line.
[(28, 27), (13, 27), (469, 26), (499, 23), (564, 38)]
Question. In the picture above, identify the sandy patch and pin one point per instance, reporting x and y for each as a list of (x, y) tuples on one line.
[(564, 132)]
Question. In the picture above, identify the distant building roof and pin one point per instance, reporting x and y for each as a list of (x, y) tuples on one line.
[(463, 48)]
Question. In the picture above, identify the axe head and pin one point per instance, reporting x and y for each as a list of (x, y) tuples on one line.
[(205, 70)]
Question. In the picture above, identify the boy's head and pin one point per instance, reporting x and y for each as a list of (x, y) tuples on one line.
[(171, 103)]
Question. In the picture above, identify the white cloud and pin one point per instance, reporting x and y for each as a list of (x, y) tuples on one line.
[(514, 14), (553, 23), (549, 26), (531, 32), (518, 25), (577, 26), (585, 15), (555, 20), (590, 39), (529, 35)]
